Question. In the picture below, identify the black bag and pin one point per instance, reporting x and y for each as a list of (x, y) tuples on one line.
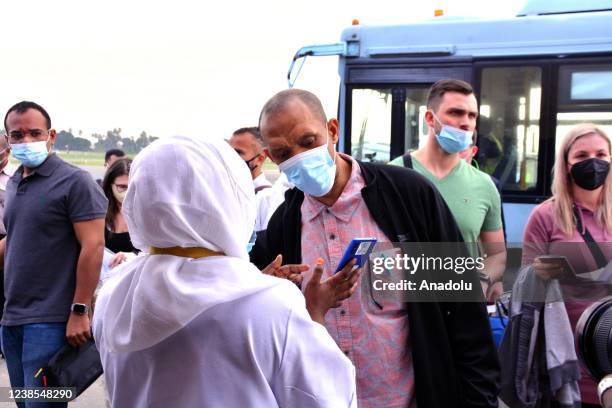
[(75, 367)]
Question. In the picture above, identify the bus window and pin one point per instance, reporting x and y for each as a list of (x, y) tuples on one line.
[(591, 85), (371, 124), (585, 95), (567, 120), (415, 134), (585, 84), (509, 125)]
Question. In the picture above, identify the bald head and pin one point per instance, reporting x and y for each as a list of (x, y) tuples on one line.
[(292, 122), (282, 100)]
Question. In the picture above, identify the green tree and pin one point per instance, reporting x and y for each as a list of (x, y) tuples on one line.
[(114, 140), (66, 141)]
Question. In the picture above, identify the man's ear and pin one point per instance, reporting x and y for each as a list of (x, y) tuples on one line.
[(52, 136), (267, 154), (333, 129), (260, 159), (429, 119), (474, 151)]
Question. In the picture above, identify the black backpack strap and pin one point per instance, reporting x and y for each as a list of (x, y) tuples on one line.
[(598, 255), (407, 160)]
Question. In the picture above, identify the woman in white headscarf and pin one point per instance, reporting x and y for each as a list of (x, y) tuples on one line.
[(193, 323)]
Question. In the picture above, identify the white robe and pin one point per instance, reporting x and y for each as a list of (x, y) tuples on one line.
[(260, 350), (209, 332)]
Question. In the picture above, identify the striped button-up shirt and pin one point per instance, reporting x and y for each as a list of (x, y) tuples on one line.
[(375, 339)]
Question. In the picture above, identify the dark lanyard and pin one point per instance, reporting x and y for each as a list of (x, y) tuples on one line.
[(598, 255)]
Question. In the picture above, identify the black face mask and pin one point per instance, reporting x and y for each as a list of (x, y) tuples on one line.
[(591, 173), (248, 162)]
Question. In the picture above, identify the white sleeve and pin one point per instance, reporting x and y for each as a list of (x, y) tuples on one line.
[(313, 372), (267, 201)]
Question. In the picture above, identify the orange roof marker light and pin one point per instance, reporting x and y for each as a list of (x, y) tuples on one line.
[(438, 13), (355, 22)]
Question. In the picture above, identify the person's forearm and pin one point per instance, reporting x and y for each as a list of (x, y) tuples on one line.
[(495, 265), (607, 399), (604, 391), (88, 273), (317, 316)]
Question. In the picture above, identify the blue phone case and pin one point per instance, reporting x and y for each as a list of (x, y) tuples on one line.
[(358, 248)]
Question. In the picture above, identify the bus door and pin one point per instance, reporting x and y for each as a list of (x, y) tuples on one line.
[(514, 139), (385, 108)]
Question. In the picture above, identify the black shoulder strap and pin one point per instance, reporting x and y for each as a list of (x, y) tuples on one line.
[(600, 258), (407, 160)]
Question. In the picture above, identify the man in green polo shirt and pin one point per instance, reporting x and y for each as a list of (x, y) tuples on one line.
[(451, 115)]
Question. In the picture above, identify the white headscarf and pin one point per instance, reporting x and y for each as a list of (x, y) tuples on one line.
[(190, 193)]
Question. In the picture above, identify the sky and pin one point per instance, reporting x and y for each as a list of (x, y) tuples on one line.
[(182, 67)]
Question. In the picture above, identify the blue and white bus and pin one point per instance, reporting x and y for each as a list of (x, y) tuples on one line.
[(535, 75)]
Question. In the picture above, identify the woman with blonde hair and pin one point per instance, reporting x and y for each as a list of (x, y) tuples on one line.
[(576, 222), (592, 182)]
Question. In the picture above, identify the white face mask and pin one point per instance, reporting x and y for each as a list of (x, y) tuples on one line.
[(119, 195)]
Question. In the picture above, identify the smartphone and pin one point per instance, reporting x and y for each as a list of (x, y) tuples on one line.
[(568, 271), (358, 248)]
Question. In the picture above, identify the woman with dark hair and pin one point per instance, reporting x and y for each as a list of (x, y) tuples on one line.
[(116, 233)]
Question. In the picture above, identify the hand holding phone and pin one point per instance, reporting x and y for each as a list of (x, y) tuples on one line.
[(553, 267), (358, 249), (323, 295)]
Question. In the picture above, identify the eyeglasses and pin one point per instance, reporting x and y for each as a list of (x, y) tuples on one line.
[(253, 158), (17, 135), (120, 187)]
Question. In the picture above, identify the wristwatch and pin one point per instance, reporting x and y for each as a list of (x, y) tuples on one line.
[(603, 385), (79, 308)]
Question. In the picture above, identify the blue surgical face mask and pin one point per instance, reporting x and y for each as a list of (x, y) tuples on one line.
[(251, 243), (312, 171), (31, 154), (452, 140)]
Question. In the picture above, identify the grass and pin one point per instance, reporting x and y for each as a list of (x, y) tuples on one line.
[(91, 159), (97, 159), (76, 158), (269, 166), (94, 159)]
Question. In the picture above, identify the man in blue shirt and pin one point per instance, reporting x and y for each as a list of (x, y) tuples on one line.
[(52, 253)]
